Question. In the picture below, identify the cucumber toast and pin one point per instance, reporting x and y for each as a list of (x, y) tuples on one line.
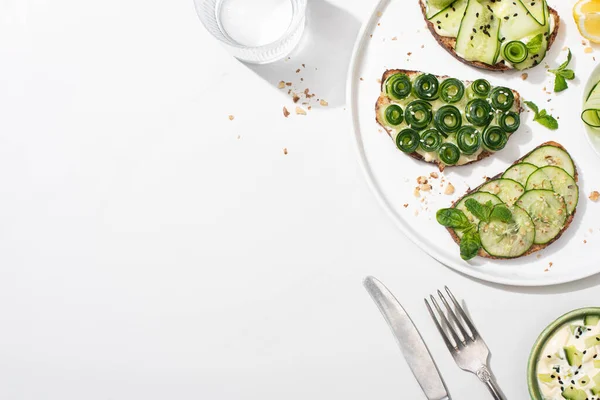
[(517, 212), (493, 34), (445, 121)]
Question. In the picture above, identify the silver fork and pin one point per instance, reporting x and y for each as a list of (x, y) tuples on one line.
[(469, 350)]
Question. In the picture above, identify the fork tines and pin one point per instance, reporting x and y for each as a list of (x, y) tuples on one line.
[(454, 341)]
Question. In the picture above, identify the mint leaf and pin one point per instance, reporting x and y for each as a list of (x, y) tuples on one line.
[(480, 211), (567, 74), (560, 83), (564, 65), (535, 44), (535, 108), (548, 121), (501, 213)]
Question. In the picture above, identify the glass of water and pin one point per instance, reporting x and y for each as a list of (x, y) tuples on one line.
[(256, 31)]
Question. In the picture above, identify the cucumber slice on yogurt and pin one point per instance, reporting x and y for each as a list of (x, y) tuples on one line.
[(507, 190), (539, 180), (562, 183), (551, 155), (517, 23), (538, 10), (508, 239), (548, 212), (477, 38), (447, 21), (520, 172)]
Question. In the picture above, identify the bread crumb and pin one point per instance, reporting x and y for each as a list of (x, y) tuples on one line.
[(300, 111), (409, 53), (303, 66), (422, 46), (405, 205), (588, 50), (584, 241), (281, 85), (425, 187), (449, 189), (422, 180), (288, 84), (434, 175), (379, 24), (323, 103), (594, 195), (417, 192), (524, 75), (395, 38), (583, 42), (295, 98), (309, 108), (298, 71), (361, 79), (239, 137), (550, 264), (231, 117), (379, 13), (564, 48), (285, 151), (286, 113)]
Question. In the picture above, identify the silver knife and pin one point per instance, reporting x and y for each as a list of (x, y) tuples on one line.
[(411, 343)]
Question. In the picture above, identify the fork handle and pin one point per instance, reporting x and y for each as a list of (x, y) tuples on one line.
[(484, 375)]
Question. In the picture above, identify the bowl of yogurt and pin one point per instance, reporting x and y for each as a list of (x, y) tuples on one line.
[(565, 360)]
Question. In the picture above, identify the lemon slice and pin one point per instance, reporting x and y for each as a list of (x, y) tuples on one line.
[(587, 17)]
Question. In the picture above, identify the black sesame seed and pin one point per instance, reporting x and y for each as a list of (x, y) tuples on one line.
[(477, 15), (474, 30), (549, 356), (515, 14), (585, 351), (506, 18), (446, 15), (533, 3), (552, 376)]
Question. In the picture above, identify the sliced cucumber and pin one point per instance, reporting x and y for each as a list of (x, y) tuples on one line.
[(434, 7), (520, 172), (563, 184), (538, 10), (591, 108), (551, 155), (539, 180), (508, 240), (507, 190), (447, 21), (481, 197), (548, 212), (477, 38), (535, 58), (517, 23)]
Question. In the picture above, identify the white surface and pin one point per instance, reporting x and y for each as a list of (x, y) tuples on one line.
[(147, 253), (393, 175)]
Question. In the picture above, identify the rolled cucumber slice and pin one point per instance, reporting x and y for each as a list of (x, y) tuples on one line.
[(562, 183), (507, 190), (539, 180), (481, 197), (548, 212), (447, 21), (591, 108), (508, 239), (551, 155), (477, 38), (520, 172)]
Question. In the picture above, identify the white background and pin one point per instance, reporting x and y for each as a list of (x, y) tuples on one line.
[(150, 248)]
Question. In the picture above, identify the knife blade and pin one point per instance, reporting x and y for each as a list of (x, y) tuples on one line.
[(409, 339)]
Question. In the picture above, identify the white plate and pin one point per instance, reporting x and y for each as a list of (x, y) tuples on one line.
[(395, 29), (593, 134)]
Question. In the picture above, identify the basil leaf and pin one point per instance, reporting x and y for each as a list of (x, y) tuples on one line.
[(567, 74), (548, 121), (533, 107), (480, 211), (560, 83), (501, 213), (470, 245), (452, 218), (535, 44)]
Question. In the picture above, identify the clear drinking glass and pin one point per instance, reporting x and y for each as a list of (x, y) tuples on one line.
[(256, 31)]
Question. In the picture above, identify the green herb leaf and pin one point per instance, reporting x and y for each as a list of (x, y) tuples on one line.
[(535, 44), (533, 107), (501, 213), (542, 117), (470, 244), (453, 218), (567, 74), (564, 65), (548, 121), (480, 211), (560, 83)]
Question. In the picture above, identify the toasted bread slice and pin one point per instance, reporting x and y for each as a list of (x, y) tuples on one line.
[(383, 101), (448, 43), (535, 247)]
